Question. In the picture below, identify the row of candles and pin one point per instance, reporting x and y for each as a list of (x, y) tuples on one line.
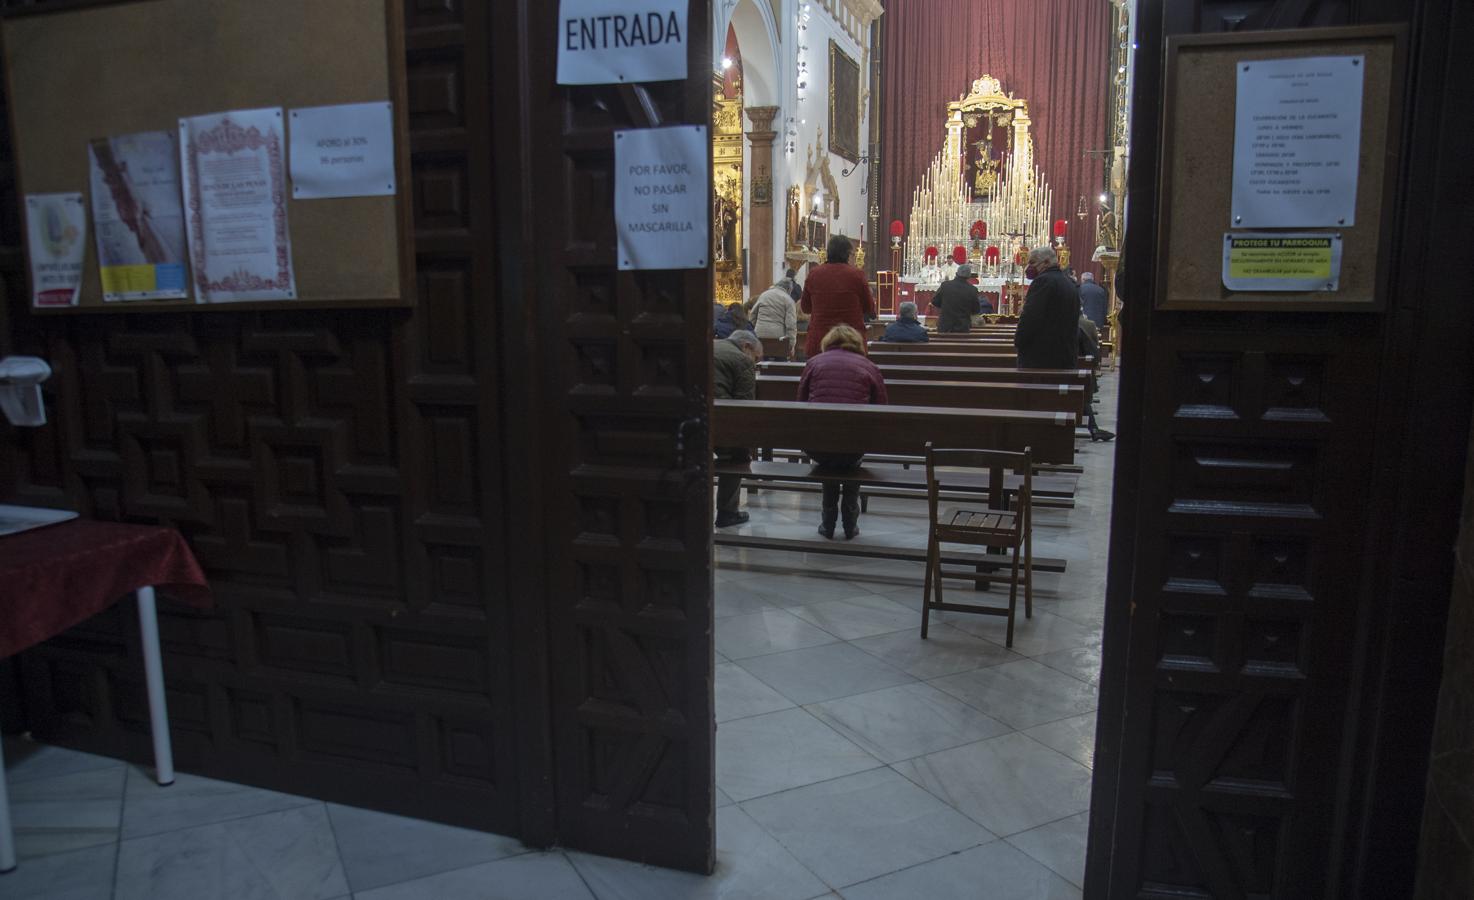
[(1015, 209)]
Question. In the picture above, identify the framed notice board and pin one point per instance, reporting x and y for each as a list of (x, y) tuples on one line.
[(1197, 224), (81, 74)]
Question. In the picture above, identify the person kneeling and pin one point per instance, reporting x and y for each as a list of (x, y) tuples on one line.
[(841, 373)]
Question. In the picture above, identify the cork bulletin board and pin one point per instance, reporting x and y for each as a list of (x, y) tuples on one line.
[(80, 74), (1195, 193)]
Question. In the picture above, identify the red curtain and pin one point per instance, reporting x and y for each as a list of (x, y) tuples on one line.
[(1053, 53)]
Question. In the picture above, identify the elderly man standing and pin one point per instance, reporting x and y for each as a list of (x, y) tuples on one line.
[(1093, 300), (734, 377), (1046, 335)]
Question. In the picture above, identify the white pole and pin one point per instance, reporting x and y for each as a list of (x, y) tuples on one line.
[(153, 671)]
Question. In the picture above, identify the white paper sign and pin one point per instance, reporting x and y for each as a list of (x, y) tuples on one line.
[(342, 151), (235, 186), (1297, 142), (56, 231), (661, 183), (610, 41)]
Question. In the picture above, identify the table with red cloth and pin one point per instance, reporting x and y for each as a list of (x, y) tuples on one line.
[(57, 576)]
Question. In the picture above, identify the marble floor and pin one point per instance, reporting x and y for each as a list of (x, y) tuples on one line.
[(854, 760)]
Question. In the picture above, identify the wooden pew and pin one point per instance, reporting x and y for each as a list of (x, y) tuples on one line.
[(848, 428), (889, 356), (941, 346), (854, 428), (776, 348), (952, 394), (920, 371)]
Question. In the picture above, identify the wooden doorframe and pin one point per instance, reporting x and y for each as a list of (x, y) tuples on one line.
[(1396, 599)]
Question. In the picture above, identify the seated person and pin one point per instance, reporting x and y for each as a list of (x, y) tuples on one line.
[(841, 373), (734, 318), (905, 329), (1088, 344), (734, 377)]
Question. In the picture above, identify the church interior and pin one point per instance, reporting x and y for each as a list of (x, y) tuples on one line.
[(772, 449)]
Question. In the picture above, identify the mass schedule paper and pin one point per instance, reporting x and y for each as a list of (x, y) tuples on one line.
[(1297, 142)]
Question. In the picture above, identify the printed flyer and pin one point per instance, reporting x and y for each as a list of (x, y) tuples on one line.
[(235, 194), (138, 217), (56, 229)]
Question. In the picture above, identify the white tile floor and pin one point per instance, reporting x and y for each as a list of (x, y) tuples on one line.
[(853, 758)]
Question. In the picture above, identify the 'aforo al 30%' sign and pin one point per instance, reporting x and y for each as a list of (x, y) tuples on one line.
[(613, 41)]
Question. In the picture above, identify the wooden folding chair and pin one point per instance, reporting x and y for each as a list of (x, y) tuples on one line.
[(996, 527)]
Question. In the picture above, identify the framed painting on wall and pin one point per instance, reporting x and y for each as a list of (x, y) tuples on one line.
[(844, 104)]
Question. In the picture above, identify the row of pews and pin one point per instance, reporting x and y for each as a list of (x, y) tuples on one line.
[(957, 391)]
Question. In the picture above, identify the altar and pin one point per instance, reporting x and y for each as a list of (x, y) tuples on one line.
[(982, 202), (1004, 293)]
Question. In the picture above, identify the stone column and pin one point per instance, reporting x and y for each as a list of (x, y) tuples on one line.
[(761, 275)]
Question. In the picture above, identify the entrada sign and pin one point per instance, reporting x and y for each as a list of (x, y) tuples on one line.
[(616, 41)]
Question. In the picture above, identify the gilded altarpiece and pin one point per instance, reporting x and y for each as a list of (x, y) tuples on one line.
[(727, 199)]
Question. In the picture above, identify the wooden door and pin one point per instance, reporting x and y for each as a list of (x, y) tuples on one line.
[(624, 461), (339, 474), (1284, 504)]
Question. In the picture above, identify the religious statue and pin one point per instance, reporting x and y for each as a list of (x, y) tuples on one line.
[(987, 168), (724, 214)]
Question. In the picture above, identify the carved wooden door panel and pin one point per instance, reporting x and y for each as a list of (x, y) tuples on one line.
[(625, 389), (339, 476), (1244, 692)]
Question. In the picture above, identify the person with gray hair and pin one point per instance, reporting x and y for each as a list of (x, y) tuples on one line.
[(775, 315), (905, 329), (1093, 300), (734, 377), (1045, 338), (957, 301)]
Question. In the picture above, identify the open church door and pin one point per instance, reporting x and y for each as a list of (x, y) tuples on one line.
[(623, 365)]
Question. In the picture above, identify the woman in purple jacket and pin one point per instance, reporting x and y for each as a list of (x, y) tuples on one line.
[(841, 374)]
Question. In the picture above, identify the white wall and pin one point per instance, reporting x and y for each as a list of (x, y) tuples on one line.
[(811, 113), (772, 49)]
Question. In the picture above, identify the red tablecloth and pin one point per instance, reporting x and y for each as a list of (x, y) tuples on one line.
[(54, 577)]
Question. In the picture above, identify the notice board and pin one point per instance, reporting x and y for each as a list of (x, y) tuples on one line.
[(1195, 192), (80, 74)]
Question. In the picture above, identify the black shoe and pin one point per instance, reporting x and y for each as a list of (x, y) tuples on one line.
[(1101, 435), (728, 519), (827, 531), (850, 531)]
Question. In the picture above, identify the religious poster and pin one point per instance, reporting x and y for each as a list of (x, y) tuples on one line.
[(56, 231), (844, 104), (342, 151), (235, 192), (1297, 142), (1276, 261), (662, 179), (137, 217), (621, 41)]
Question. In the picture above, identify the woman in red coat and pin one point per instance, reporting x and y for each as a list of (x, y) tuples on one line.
[(835, 293)]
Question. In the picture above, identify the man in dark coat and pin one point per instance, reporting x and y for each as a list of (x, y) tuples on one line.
[(1047, 327), (734, 377), (905, 329), (957, 302), (1093, 300)]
